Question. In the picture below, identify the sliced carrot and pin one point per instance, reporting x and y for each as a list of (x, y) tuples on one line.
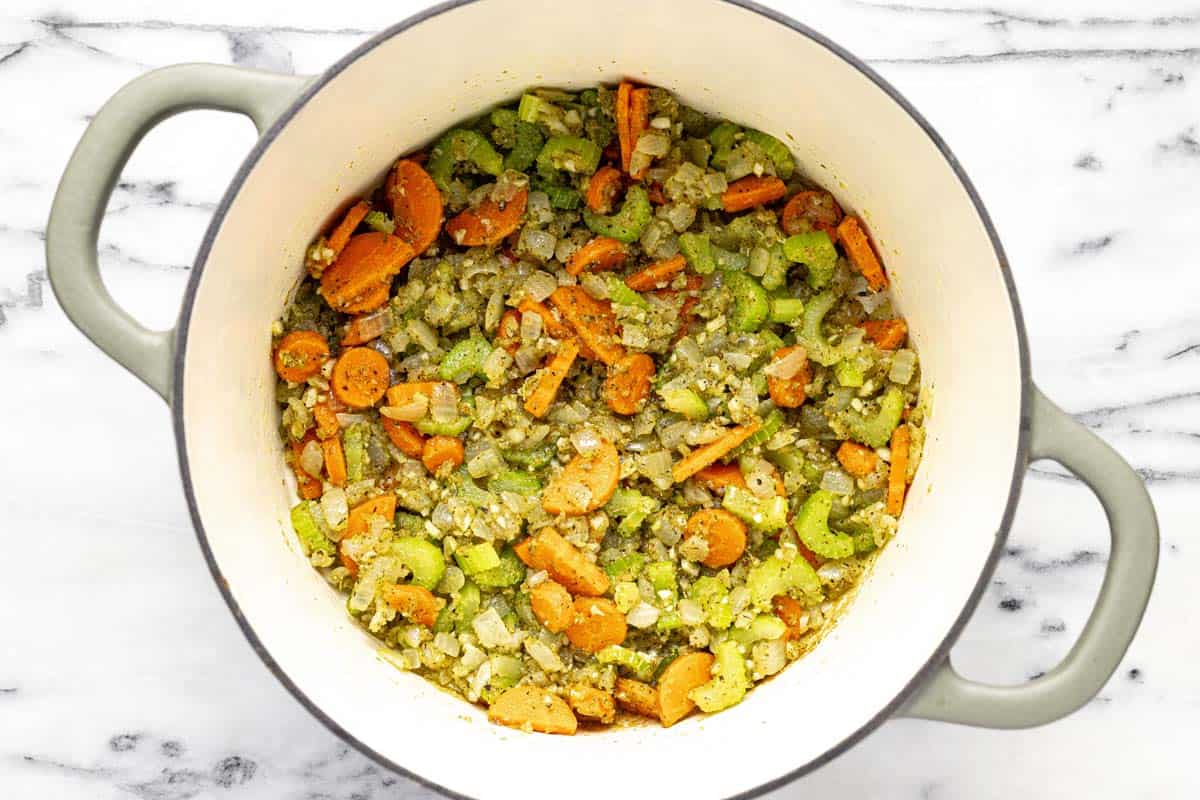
[(680, 677), (357, 523), (552, 605), (490, 223), (405, 436), (790, 613), (887, 334), (811, 210), (720, 476), (548, 550), (369, 261), (861, 253), (640, 698), (554, 326), (441, 450), (550, 379), (524, 551), (326, 419), (588, 701), (345, 229), (592, 319), (628, 383), (415, 602), (639, 121), (308, 487), (715, 450), (335, 460), (602, 190), (898, 472), (856, 459), (300, 355), (508, 332), (401, 394), (621, 112), (585, 483), (789, 392), (724, 533), (416, 204), (599, 254), (532, 708), (657, 275), (751, 191), (598, 623), (360, 377)]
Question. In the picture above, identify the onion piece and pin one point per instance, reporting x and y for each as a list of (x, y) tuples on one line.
[(444, 403), (788, 366), (837, 482), (409, 412), (585, 440), (312, 458)]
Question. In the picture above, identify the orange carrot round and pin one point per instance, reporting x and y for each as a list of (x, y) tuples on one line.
[(657, 275), (811, 210), (551, 378), (416, 204), (405, 436), (599, 254), (552, 605), (440, 450), (751, 191), (725, 534), (680, 677), (887, 334), (300, 355), (593, 320), (628, 383), (489, 223), (597, 624), (597, 472), (345, 229), (335, 460), (602, 189), (856, 459), (789, 392), (533, 708), (415, 602), (360, 377), (862, 254), (369, 261), (719, 476), (898, 472)]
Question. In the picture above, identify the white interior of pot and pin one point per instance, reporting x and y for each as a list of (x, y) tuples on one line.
[(850, 137)]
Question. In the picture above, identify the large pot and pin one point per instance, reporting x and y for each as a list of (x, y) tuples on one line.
[(329, 138)]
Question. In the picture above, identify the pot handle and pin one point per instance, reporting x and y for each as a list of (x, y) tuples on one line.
[(949, 697), (73, 230)]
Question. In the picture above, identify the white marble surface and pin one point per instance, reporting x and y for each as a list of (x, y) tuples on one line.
[(123, 675)]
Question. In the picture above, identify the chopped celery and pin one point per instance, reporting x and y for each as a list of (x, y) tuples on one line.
[(312, 539), (640, 665), (531, 108), (509, 572), (770, 426), (515, 481), (354, 446), (877, 430), (668, 621), (506, 671), (620, 293), (815, 250), (750, 306), (686, 402), (468, 490), (776, 150), (626, 595), (713, 597), (460, 612), (697, 249), (628, 567), (522, 139), (774, 576), (661, 575), (729, 259), (409, 523), (729, 683), (568, 153), (788, 459), (723, 138), (530, 459), (627, 224), (763, 513), (810, 335), (454, 427), (461, 146), (563, 198), (786, 309), (764, 626), (864, 541), (696, 151), (477, 558), (422, 557), (632, 507), (379, 221), (777, 268), (464, 360), (848, 373), (812, 526)]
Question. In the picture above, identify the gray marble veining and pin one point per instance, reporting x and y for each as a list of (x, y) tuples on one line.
[(122, 674)]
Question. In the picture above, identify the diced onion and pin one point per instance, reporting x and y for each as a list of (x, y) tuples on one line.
[(837, 482), (643, 615), (531, 326), (335, 507), (496, 364), (691, 612), (831, 572), (656, 467), (653, 143), (444, 403), (491, 629), (422, 334), (447, 643), (538, 244), (411, 411), (540, 285), (546, 658), (311, 458), (585, 440), (904, 364), (346, 420), (788, 366), (769, 656), (739, 361)]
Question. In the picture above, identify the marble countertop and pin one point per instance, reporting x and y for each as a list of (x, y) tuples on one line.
[(123, 675)]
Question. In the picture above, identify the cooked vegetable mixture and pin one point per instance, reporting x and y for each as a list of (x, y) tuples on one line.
[(596, 404)]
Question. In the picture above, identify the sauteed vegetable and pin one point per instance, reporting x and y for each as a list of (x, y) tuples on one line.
[(596, 404)]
